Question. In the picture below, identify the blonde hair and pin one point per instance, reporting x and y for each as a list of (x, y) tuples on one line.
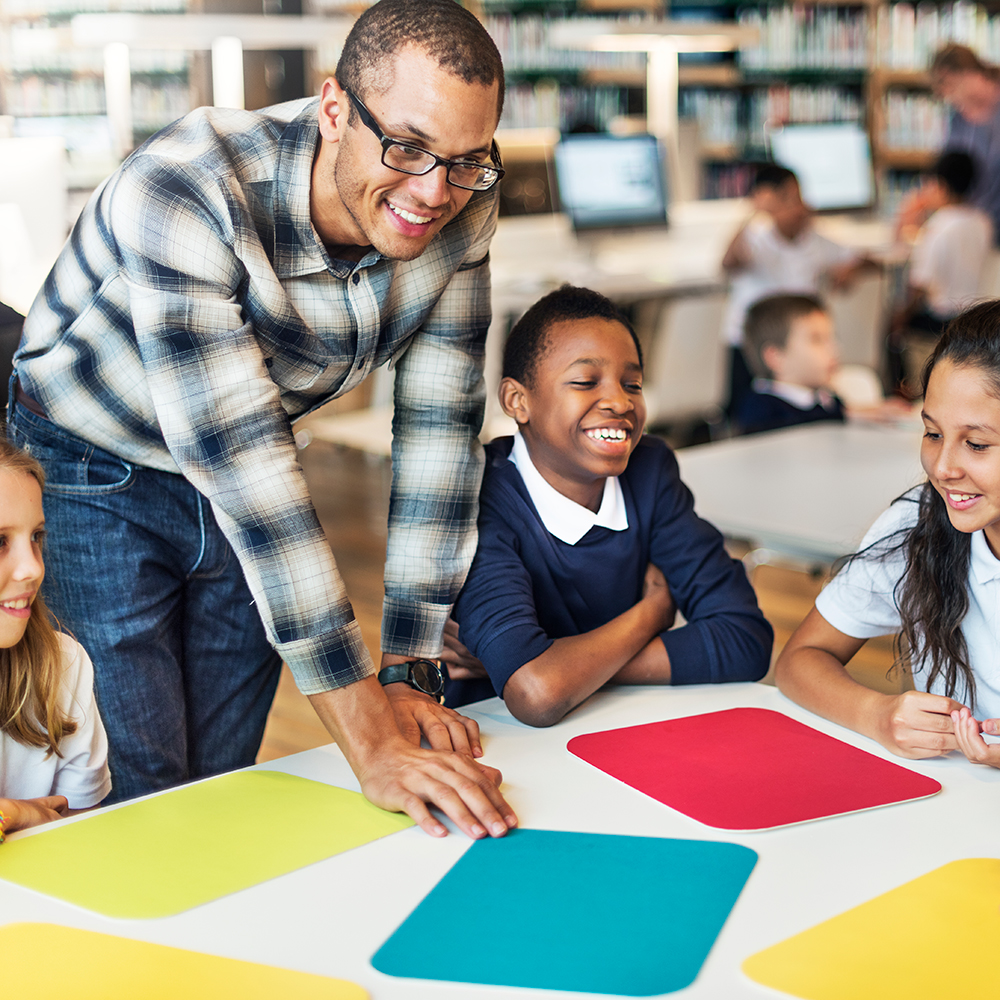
[(31, 671)]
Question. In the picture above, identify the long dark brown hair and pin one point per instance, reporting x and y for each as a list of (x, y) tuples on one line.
[(31, 671), (933, 593)]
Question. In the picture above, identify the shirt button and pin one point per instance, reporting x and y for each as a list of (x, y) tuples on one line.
[(357, 277)]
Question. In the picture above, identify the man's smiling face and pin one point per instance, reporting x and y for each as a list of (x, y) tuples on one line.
[(358, 201)]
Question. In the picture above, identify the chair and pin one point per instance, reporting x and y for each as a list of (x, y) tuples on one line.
[(860, 319), (686, 364)]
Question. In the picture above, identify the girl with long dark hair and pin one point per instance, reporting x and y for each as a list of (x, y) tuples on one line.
[(928, 572)]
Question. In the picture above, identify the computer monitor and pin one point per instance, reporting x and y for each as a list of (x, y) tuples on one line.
[(833, 162), (608, 181)]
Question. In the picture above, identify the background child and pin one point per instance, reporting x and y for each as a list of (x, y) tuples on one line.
[(948, 259), (53, 750), (791, 348), (781, 253), (929, 571), (588, 540)]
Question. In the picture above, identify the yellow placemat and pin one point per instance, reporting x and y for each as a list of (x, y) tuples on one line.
[(103, 967), (935, 937), (192, 845)]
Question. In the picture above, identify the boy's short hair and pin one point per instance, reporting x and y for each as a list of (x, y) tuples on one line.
[(768, 324), (529, 337), (956, 171), (771, 175)]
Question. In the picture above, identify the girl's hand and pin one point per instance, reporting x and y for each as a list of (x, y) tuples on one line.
[(916, 724), (971, 743), (24, 813)]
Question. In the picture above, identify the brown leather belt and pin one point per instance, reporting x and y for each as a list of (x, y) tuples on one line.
[(28, 403)]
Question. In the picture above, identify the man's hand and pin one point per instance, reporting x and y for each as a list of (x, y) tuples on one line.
[(397, 775), (656, 591), (461, 664), (419, 714)]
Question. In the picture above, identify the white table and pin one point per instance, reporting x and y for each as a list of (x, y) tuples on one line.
[(331, 917), (810, 492)]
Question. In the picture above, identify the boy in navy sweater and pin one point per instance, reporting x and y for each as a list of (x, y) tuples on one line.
[(789, 344), (588, 540)]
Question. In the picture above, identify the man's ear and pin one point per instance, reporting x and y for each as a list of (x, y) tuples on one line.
[(334, 107), (514, 400)]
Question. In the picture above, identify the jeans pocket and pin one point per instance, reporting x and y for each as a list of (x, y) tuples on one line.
[(72, 465)]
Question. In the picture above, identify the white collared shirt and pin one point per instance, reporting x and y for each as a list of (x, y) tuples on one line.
[(562, 517), (860, 601), (799, 396)]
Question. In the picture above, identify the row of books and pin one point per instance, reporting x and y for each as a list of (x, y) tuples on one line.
[(729, 117), (913, 121), (561, 106), (525, 45), (800, 36), (154, 103), (39, 48), (157, 104), (14, 9), (909, 34)]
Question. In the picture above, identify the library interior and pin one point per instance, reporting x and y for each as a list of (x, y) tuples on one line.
[(713, 170)]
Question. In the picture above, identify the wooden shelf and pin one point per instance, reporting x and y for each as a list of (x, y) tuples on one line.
[(720, 75), (614, 77), (905, 159), (883, 77)]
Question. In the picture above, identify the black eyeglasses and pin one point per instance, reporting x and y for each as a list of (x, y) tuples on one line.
[(409, 159)]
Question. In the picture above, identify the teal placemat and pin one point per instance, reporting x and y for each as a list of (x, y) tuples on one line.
[(574, 911)]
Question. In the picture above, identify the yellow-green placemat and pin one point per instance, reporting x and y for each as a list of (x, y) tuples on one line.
[(189, 846), (103, 967)]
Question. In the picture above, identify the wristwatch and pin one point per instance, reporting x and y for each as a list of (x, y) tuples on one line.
[(422, 675)]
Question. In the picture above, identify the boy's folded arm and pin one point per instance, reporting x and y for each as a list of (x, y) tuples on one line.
[(545, 688)]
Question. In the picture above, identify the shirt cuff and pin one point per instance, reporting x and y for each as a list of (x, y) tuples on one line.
[(413, 628), (332, 660), (688, 657)]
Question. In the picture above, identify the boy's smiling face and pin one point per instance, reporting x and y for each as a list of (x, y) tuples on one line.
[(583, 413)]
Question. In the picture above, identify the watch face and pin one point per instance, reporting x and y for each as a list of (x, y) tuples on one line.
[(426, 676)]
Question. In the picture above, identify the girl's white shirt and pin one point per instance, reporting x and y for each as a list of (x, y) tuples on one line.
[(81, 774), (860, 602)]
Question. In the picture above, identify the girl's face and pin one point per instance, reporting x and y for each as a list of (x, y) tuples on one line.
[(22, 528), (961, 448)]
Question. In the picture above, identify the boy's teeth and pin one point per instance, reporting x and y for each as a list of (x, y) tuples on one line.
[(417, 220), (607, 434)]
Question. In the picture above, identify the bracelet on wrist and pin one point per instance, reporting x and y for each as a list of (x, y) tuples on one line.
[(4, 820)]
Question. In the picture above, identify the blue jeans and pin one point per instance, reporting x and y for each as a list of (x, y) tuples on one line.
[(138, 570)]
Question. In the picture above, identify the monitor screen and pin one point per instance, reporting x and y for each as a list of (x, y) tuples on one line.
[(610, 180), (832, 161)]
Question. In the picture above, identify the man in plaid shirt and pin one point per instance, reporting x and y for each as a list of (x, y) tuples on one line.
[(237, 271)]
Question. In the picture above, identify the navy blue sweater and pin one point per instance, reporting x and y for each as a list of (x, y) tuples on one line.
[(763, 411), (527, 588)]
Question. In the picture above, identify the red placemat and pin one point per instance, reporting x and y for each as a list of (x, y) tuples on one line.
[(749, 769)]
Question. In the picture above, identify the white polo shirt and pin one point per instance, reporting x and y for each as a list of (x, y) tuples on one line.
[(778, 266), (859, 602), (81, 773)]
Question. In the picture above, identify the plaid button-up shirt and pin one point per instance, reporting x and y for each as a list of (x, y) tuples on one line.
[(194, 314)]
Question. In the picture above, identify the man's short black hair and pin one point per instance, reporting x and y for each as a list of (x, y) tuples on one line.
[(529, 338), (956, 171), (443, 29), (771, 175), (768, 324)]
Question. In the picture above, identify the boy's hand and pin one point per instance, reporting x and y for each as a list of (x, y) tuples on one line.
[(656, 590), (461, 664), (25, 813)]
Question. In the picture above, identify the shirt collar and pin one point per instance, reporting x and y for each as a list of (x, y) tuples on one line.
[(985, 565), (298, 250), (798, 395), (562, 517)]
